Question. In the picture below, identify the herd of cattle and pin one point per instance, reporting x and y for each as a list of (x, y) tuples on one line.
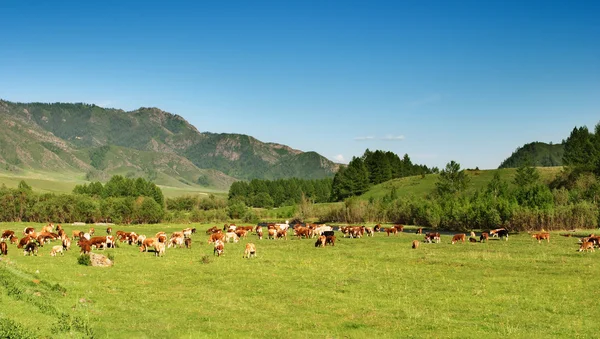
[(325, 235)]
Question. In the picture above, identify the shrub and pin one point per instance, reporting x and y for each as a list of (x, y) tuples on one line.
[(84, 260)]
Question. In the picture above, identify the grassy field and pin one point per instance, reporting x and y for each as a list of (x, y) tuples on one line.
[(56, 183), (361, 288), (421, 186)]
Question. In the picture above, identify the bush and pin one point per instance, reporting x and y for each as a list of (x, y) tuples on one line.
[(84, 260)]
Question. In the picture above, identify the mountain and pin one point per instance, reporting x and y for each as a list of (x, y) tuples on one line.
[(539, 154), (95, 142)]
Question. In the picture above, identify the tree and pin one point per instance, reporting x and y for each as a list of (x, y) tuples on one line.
[(526, 176), (452, 180), (580, 148)]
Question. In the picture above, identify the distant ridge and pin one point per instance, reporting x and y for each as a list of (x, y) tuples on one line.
[(539, 154), (94, 142)]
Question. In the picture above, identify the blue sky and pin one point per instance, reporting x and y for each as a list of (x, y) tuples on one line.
[(468, 81)]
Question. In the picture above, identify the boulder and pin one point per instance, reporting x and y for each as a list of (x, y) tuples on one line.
[(100, 260)]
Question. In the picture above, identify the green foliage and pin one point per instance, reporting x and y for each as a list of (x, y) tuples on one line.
[(236, 209), (203, 181), (11, 329), (97, 156), (281, 192), (536, 154), (452, 180), (84, 260), (526, 176)]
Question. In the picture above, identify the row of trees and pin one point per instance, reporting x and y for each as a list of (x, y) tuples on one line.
[(119, 186), (371, 169), (281, 192)]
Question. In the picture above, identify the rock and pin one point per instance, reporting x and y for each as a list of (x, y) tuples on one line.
[(100, 260)]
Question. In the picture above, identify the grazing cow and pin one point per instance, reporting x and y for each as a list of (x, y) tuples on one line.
[(586, 246), (433, 237), (399, 227), (259, 232), (415, 244), (212, 230), (250, 251), (140, 240), (14, 240), (85, 245), (7, 235), (177, 235), (471, 239), (216, 236), (330, 239), (473, 234), (30, 249), (177, 241), (58, 227), (76, 234), (109, 230), (282, 234), (321, 241), (92, 231), (219, 248), (484, 236), (159, 249), (272, 233), (283, 227), (193, 230), (48, 228), (541, 236), (502, 233), (42, 239), (393, 230), (55, 250), (187, 232), (25, 240), (62, 234), (377, 228), (98, 242), (369, 231), (459, 237), (302, 232), (148, 242), (328, 233), (188, 243), (241, 233), (66, 243), (3, 248), (419, 230), (29, 231), (232, 236)]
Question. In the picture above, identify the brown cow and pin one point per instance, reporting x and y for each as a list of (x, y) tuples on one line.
[(399, 227), (241, 233), (282, 234), (3, 248), (29, 231), (377, 228), (459, 237), (586, 245), (25, 240), (30, 249), (321, 241), (393, 230), (272, 233), (159, 249), (212, 230), (330, 239), (188, 243), (148, 242), (419, 230), (415, 244), (109, 230), (216, 236), (471, 239), (7, 235), (14, 240), (302, 232), (433, 237), (250, 251), (259, 232), (92, 231), (541, 236), (48, 228), (85, 246), (76, 234), (66, 242)]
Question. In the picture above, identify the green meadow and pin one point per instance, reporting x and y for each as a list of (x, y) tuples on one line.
[(361, 288)]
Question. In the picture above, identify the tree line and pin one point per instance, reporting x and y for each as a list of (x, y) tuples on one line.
[(280, 192)]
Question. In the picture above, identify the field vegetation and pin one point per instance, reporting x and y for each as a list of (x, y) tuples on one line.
[(368, 287)]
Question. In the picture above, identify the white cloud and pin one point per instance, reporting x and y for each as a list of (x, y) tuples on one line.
[(339, 158), (393, 137), (364, 138)]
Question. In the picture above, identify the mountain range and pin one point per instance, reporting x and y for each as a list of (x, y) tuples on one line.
[(94, 143)]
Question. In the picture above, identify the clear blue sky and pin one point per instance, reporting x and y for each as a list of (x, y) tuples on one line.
[(440, 80)]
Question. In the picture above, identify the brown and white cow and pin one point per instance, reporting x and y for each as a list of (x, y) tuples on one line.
[(586, 246), (541, 236), (148, 242), (484, 237), (3, 248), (30, 249), (219, 248), (159, 249), (321, 241), (459, 237), (330, 239), (7, 235), (259, 232), (216, 236), (415, 244), (250, 251)]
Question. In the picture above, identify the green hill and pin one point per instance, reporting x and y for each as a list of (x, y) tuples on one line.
[(421, 186), (536, 153), (88, 142)]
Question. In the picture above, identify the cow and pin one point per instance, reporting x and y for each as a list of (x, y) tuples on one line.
[(3, 248), (471, 239), (389, 230), (56, 249), (48, 228), (25, 240), (585, 246), (76, 234), (212, 230), (66, 243), (272, 233), (302, 232), (259, 232), (377, 228), (399, 227), (216, 236), (187, 232), (484, 237), (250, 251), (459, 237), (14, 240), (368, 230), (7, 235), (92, 231), (147, 243), (159, 249), (328, 233), (219, 248), (321, 241), (85, 245), (177, 241), (232, 236), (98, 242), (415, 244), (109, 230), (473, 235), (188, 243), (330, 239), (283, 227), (29, 231), (433, 237), (419, 230), (541, 236), (241, 233), (282, 234), (30, 249), (499, 232), (62, 234)]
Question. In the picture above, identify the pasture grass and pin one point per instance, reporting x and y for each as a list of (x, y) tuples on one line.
[(361, 288)]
